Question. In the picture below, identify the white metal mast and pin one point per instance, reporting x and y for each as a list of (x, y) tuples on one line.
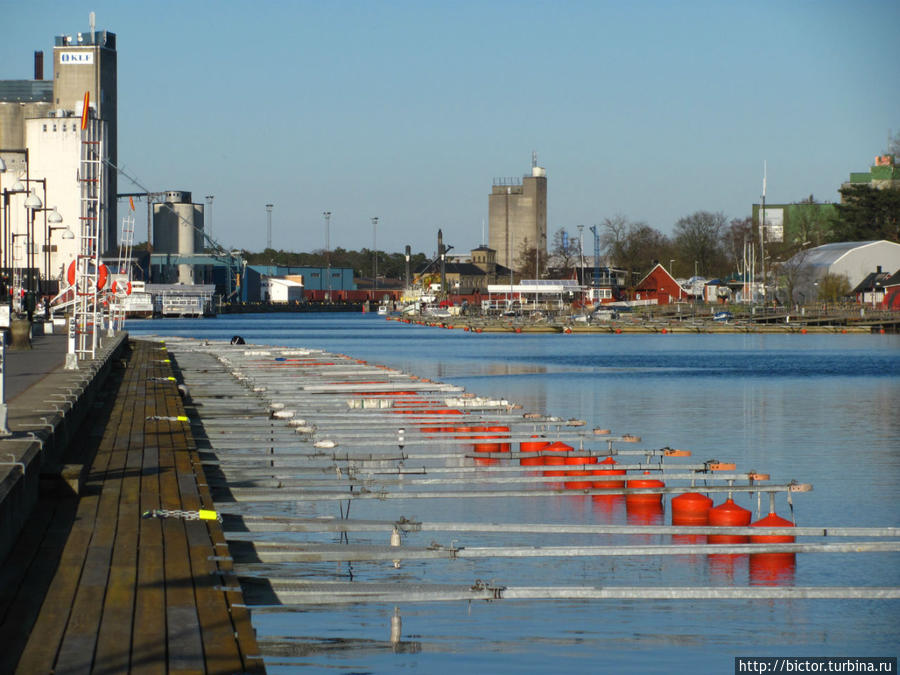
[(84, 277), (119, 296)]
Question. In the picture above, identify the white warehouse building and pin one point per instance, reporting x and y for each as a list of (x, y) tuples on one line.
[(282, 289), (853, 259)]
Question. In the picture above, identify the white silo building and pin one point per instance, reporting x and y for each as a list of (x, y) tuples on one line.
[(178, 230)]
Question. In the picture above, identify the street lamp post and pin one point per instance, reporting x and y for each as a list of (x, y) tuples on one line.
[(375, 251), (67, 234), (327, 215), (581, 253), (32, 204)]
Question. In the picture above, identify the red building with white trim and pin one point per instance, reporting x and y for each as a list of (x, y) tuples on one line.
[(661, 286)]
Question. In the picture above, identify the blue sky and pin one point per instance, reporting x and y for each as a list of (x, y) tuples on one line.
[(408, 110)]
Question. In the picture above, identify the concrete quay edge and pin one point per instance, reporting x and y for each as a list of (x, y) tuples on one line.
[(44, 420)]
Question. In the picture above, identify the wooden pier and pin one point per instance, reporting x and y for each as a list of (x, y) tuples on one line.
[(93, 585)]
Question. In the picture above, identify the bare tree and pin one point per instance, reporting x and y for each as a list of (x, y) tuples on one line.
[(698, 237), (893, 147), (643, 247), (615, 233), (564, 251), (526, 260), (794, 273), (736, 237)]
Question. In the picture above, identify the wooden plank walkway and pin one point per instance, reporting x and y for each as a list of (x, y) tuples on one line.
[(129, 594)]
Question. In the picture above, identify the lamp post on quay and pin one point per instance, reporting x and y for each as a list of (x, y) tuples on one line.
[(8, 238), (67, 234)]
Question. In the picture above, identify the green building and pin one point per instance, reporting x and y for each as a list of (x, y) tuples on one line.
[(883, 174), (797, 223)]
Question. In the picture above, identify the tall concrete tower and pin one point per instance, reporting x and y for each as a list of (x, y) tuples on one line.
[(178, 228), (517, 216), (87, 62)]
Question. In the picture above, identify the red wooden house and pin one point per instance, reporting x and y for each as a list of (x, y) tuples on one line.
[(661, 286)]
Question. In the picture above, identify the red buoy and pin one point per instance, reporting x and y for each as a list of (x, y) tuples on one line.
[(579, 484), (691, 508), (609, 484), (533, 446), (554, 460), (636, 500), (534, 460), (728, 514), (772, 520), (503, 433), (558, 446)]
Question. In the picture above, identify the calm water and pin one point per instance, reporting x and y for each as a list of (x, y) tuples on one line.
[(818, 409)]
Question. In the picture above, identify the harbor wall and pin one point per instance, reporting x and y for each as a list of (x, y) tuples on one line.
[(46, 420)]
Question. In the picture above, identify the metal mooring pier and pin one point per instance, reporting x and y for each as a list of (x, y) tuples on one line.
[(281, 429), (217, 480)]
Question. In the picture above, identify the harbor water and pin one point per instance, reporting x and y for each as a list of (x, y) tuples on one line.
[(819, 409)]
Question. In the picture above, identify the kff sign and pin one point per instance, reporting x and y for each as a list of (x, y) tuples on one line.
[(78, 58)]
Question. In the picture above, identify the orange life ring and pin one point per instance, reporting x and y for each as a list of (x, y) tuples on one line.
[(102, 276), (114, 287), (128, 289)]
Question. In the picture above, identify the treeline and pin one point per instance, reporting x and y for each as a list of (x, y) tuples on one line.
[(703, 243), (710, 245)]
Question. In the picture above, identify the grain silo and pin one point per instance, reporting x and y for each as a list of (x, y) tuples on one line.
[(178, 230)]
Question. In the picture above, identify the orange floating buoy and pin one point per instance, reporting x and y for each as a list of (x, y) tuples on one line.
[(664, 331), (772, 520), (559, 446), (535, 460), (533, 446), (691, 506), (803, 331), (618, 330), (728, 514), (637, 500), (502, 447), (609, 484), (579, 460), (554, 460), (772, 569)]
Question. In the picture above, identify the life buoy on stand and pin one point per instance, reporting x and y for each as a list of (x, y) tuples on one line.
[(102, 276)]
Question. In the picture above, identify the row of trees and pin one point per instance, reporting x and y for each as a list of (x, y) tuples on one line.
[(708, 244), (703, 243)]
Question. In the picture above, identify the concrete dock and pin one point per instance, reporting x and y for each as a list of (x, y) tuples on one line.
[(87, 584)]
